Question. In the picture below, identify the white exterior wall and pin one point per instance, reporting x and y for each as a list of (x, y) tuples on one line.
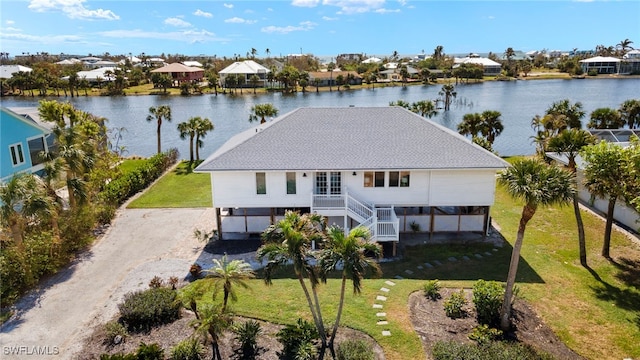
[(415, 194), (462, 188), (238, 189)]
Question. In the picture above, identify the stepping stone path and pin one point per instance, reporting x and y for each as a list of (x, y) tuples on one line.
[(437, 262), (452, 259), (381, 298), (478, 256), (377, 306), (428, 265), (465, 258)]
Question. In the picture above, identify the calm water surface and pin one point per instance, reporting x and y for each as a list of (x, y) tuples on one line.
[(518, 101)]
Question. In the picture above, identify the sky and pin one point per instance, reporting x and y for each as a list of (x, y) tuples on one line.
[(318, 27)]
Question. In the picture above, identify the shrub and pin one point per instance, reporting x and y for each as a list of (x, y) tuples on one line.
[(453, 306), (494, 350), (593, 72), (156, 282), (118, 357), (247, 334), (487, 298), (112, 330), (354, 350), (187, 349), (432, 289), (295, 337), (149, 352), (483, 334), (142, 310)]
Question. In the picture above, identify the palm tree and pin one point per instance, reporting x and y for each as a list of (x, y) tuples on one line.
[(291, 241), (351, 254), (570, 142), (404, 74), (425, 108), (213, 322), (492, 125), (471, 125), (330, 67), (630, 112), (448, 91), (536, 184), (188, 129), (605, 118), (260, 111), (438, 52), (228, 274), (12, 197), (624, 45), (254, 80), (202, 127), (158, 113), (573, 113)]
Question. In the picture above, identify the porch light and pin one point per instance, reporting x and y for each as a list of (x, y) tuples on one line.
[(304, 174), (354, 173)]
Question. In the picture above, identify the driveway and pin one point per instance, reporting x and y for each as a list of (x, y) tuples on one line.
[(51, 322)]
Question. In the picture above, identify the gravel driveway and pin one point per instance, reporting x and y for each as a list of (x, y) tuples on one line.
[(51, 322)]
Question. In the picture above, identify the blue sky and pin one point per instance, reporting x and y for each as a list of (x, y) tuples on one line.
[(320, 27)]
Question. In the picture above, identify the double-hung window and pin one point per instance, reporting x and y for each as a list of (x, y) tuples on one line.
[(17, 154)]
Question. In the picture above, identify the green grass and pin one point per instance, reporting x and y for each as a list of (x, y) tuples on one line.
[(179, 188), (130, 164)]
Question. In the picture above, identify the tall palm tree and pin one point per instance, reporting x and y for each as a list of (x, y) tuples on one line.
[(448, 91), (570, 142), (227, 274), (425, 108), (261, 111), (605, 118), (291, 241), (188, 129), (624, 45), (471, 125), (159, 113), (492, 125), (573, 113), (630, 112), (213, 322), (537, 184), (351, 253), (202, 127)]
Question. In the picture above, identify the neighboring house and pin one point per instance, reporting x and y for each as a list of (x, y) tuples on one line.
[(385, 168), (393, 74), (22, 137), (623, 213), (181, 73), (601, 64), (630, 63), (101, 64), (192, 63), (246, 69), (372, 60), (327, 78), (95, 76), (7, 71), (491, 68)]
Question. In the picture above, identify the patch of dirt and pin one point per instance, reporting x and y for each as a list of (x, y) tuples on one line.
[(432, 324), (169, 335)]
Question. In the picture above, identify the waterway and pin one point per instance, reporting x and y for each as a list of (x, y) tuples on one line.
[(518, 101)]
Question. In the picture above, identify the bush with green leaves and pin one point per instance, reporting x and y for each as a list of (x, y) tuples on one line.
[(483, 334), (188, 349), (454, 305), (144, 352), (296, 339), (432, 289), (112, 330), (247, 335), (142, 310), (355, 350), (487, 298), (494, 350)]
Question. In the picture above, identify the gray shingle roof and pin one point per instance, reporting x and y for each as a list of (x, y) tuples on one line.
[(353, 138)]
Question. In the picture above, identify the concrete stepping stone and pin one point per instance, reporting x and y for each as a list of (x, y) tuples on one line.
[(437, 262), (428, 265), (384, 289), (478, 256), (386, 333), (452, 259), (382, 322), (465, 258), (377, 306), (390, 283), (487, 253), (408, 272), (398, 277), (494, 249), (419, 267), (381, 314), (381, 298)]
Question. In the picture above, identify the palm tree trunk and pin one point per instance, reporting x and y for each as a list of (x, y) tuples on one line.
[(337, 323), (191, 148), (310, 302), (16, 233), (159, 142), (323, 334), (197, 147), (72, 196), (505, 313), (608, 226), (581, 238)]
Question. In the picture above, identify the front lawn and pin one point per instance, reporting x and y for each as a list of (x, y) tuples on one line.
[(180, 188)]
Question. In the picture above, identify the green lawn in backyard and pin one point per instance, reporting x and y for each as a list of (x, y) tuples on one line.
[(180, 187), (596, 312)]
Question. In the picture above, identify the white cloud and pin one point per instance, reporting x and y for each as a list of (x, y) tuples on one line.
[(305, 3), (203, 13), (9, 22), (491, 17), (237, 20), (303, 26), (11, 29), (228, 6), (386, 11), (188, 36), (402, 2), (44, 39), (355, 6), (74, 9), (326, 18), (174, 21)]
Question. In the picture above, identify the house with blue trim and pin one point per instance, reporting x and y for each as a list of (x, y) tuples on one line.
[(22, 138)]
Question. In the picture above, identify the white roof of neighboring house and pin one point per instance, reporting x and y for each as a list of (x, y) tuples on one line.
[(105, 63), (93, 75), (244, 67), (352, 138), (391, 65), (68, 62), (476, 60), (90, 59), (600, 59), (632, 54), (6, 71), (373, 59), (192, 63)]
